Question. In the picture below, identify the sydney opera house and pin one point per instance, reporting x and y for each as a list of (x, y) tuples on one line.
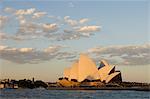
[(86, 69)]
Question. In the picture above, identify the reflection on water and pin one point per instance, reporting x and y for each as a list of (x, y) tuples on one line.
[(71, 94)]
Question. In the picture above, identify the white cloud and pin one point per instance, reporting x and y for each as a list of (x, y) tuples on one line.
[(26, 50), (66, 17), (34, 56), (2, 47), (69, 56), (28, 55), (9, 10), (21, 19), (52, 49), (89, 29), (50, 27), (39, 14), (29, 29), (3, 36), (123, 55), (30, 26), (69, 36), (3, 20), (74, 34), (25, 11), (70, 21), (84, 20)]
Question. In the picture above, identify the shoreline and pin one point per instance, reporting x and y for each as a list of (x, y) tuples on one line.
[(101, 88), (92, 88)]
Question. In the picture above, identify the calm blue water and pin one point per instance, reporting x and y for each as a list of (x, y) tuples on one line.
[(71, 94)]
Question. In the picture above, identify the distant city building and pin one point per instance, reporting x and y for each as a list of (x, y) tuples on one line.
[(85, 68)]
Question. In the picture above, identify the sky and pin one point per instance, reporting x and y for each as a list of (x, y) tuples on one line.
[(40, 38)]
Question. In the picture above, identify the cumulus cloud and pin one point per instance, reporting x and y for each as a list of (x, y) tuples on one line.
[(5, 36), (50, 27), (26, 50), (9, 10), (85, 29), (28, 29), (29, 55), (39, 14), (3, 20), (72, 35), (70, 21), (73, 22), (25, 11), (68, 36), (2, 47), (84, 20), (32, 30), (21, 19), (30, 26), (52, 49), (123, 55), (69, 56)]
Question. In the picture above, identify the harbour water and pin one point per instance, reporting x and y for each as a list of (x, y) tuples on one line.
[(72, 94)]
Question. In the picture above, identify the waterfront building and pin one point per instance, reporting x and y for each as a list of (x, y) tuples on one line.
[(1, 86), (85, 68)]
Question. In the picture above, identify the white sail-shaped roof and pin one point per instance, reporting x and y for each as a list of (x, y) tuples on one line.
[(111, 76), (74, 71), (104, 71), (86, 68), (67, 72)]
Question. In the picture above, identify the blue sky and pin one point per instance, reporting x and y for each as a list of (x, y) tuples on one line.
[(118, 27)]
